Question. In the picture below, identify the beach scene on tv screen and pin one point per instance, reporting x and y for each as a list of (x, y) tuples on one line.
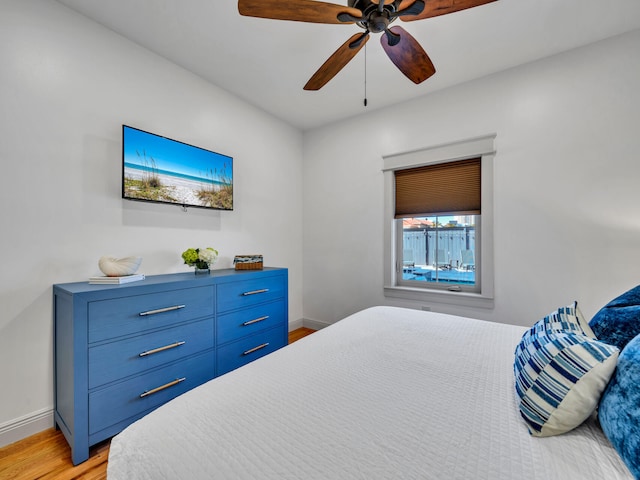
[(159, 169)]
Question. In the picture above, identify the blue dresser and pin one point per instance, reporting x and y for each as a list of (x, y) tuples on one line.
[(123, 350)]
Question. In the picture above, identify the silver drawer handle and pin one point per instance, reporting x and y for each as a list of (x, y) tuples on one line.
[(161, 310), (256, 320), (161, 349), (163, 387), (253, 292), (255, 349)]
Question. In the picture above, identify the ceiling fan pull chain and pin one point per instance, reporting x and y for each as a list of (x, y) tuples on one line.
[(365, 75)]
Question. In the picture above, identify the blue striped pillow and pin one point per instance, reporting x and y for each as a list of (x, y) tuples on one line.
[(559, 378), (564, 319)]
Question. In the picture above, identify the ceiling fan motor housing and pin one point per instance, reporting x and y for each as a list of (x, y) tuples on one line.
[(376, 21)]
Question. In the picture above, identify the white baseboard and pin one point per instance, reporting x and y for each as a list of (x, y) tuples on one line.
[(305, 322), (314, 324), (296, 324), (23, 427)]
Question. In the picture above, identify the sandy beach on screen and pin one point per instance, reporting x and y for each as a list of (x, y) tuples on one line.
[(182, 189)]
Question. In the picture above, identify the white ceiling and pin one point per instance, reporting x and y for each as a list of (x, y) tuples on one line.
[(267, 62)]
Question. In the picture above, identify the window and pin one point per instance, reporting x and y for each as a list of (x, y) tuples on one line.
[(438, 223), (439, 252), (437, 208)]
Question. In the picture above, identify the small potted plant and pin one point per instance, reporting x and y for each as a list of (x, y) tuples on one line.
[(200, 258)]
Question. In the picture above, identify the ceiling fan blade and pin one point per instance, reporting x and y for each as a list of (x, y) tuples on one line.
[(299, 11), (337, 61), (435, 8), (408, 56), (386, 2)]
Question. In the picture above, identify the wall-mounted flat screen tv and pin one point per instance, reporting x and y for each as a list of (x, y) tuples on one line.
[(159, 169)]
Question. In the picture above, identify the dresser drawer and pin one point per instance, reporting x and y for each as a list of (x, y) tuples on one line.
[(120, 359), (250, 292), (236, 354), (235, 325), (129, 315), (120, 401)]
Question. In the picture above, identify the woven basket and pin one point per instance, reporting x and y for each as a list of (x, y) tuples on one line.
[(248, 262), (249, 266)]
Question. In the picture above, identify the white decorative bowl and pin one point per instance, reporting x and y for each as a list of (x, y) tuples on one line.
[(118, 267)]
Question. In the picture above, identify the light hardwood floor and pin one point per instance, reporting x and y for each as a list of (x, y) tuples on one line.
[(46, 455)]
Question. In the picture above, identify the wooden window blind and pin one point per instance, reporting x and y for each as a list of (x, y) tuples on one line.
[(451, 188)]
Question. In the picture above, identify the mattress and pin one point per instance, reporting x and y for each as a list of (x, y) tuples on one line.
[(386, 393)]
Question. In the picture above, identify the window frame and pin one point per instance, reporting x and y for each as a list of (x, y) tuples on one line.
[(482, 147)]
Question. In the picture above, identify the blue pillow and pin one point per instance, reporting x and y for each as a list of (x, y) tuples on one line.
[(619, 410), (619, 320), (559, 378)]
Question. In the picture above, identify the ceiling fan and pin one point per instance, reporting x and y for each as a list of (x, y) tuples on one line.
[(374, 16)]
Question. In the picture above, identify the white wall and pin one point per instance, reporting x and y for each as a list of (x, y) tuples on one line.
[(566, 190), (66, 87)]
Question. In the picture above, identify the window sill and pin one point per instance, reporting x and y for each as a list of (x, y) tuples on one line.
[(464, 299)]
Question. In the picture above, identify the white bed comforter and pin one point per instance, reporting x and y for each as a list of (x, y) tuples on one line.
[(387, 393)]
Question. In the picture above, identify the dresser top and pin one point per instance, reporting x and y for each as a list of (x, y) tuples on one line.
[(175, 280)]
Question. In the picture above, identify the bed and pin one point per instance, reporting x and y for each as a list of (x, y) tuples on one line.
[(386, 393)]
